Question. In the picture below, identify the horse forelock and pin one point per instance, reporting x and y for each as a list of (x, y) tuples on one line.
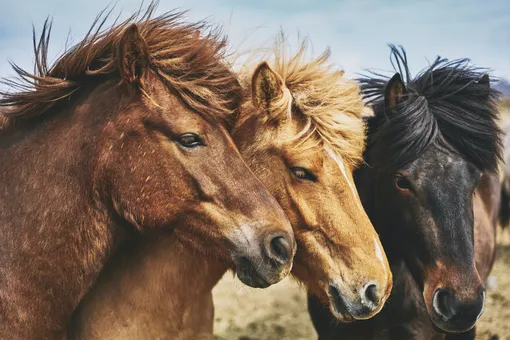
[(445, 105), (327, 106)]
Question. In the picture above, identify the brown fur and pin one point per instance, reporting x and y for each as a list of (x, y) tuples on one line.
[(141, 296), (92, 155), (336, 240), (486, 210)]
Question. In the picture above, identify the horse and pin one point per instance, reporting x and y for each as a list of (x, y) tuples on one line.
[(125, 135), (300, 130), (433, 147), (504, 216)]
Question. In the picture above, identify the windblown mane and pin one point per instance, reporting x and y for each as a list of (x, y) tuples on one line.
[(319, 93), (445, 105), (189, 63)]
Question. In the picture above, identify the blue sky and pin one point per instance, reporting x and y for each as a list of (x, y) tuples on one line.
[(357, 31)]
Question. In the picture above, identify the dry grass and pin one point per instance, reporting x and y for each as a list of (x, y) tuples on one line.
[(495, 322)]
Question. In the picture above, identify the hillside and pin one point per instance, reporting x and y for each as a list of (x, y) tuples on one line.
[(504, 87)]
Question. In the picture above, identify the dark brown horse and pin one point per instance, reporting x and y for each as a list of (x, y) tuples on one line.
[(433, 146), (123, 135)]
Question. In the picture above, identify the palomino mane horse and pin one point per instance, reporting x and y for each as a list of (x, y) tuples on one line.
[(431, 140), (123, 135), (301, 131), (303, 135)]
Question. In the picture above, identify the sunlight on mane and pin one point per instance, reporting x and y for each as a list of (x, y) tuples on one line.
[(331, 104), (189, 58)]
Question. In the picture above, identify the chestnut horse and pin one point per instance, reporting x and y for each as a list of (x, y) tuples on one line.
[(123, 135), (433, 147), (301, 131)]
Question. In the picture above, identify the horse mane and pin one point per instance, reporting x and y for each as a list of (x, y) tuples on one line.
[(445, 105), (330, 104), (190, 64)]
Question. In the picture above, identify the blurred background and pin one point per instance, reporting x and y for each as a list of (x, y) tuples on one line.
[(357, 31)]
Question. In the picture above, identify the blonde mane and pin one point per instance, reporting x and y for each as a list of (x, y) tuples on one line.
[(331, 104), (191, 64)]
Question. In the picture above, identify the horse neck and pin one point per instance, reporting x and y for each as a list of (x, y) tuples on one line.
[(403, 283), (366, 181), (49, 211), (489, 192), (157, 277)]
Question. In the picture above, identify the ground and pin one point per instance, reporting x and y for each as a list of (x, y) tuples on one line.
[(279, 312)]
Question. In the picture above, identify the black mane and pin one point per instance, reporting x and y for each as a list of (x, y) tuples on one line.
[(445, 105)]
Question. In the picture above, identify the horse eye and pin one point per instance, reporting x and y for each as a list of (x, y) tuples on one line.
[(402, 183), (190, 140), (304, 174)]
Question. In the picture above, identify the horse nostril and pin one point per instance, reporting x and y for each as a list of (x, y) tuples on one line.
[(337, 301), (370, 294), (481, 297), (441, 303), (280, 249), (462, 313)]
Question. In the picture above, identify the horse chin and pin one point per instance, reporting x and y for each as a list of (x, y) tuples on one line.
[(340, 316), (248, 275), (338, 308), (442, 327), (445, 327)]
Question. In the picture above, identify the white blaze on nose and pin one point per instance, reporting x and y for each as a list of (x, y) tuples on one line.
[(340, 164), (243, 236), (379, 252)]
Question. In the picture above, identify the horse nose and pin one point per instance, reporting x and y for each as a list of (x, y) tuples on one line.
[(266, 261), (359, 308), (370, 296), (459, 313), (279, 249)]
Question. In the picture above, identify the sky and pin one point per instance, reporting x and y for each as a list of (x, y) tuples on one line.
[(357, 31)]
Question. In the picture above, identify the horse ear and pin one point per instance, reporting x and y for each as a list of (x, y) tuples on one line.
[(394, 93), (485, 91), (133, 55), (485, 80), (266, 86)]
